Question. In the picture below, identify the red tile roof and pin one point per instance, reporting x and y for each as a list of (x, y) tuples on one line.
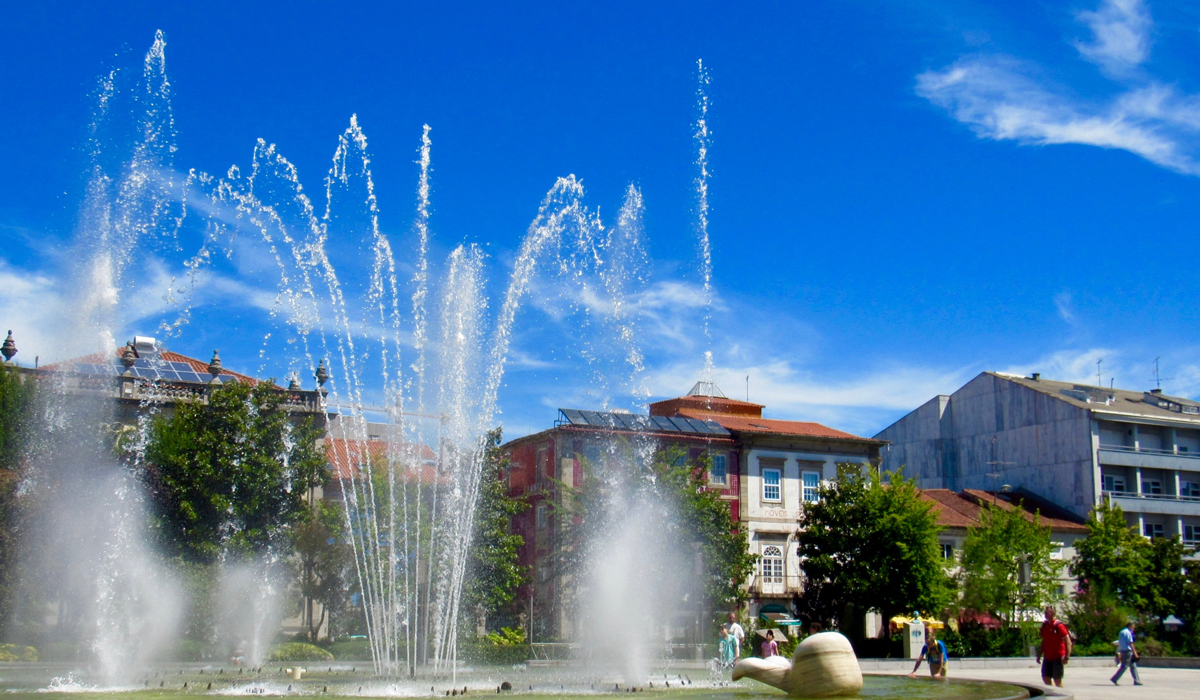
[(963, 509), (703, 407), (346, 457), (777, 427)]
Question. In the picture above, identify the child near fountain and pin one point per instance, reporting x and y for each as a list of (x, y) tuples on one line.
[(727, 649), (935, 651), (769, 646)]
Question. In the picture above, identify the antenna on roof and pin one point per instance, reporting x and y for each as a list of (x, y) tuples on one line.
[(1099, 381), (1158, 379), (747, 388)]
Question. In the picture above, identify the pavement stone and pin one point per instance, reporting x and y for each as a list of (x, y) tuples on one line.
[(1092, 683)]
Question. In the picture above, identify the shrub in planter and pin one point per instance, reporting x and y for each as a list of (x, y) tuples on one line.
[(351, 650), (299, 651), (16, 652)]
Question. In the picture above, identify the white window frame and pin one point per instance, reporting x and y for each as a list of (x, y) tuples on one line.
[(771, 566), (723, 479), (1189, 489), (947, 550), (1114, 480), (778, 485), (1153, 530), (814, 490), (542, 515), (1195, 533), (1152, 487)]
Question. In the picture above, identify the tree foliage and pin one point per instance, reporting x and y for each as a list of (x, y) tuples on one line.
[(323, 561), (1006, 565), (230, 474), (866, 544), (17, 409), (493, 574), (1114, 557)]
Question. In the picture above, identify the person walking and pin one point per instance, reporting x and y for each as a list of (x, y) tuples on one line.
[(1127, 651), (727, 649), (739, 635), (1056, 648), (769, 646), (935, 651)]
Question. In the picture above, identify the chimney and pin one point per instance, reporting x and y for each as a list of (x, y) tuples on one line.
[(1156, 391), (1037, 376)]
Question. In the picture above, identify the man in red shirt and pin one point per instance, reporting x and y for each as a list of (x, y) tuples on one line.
[(1055, 650)]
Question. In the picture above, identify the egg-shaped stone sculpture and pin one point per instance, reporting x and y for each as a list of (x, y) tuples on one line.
[(823, 665)]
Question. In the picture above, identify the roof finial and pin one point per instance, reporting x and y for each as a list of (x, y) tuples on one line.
[(214, 367), (294, 384), (322, 374), (129, 356), (9, 348)]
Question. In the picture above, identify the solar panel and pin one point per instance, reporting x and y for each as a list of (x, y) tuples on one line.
[(639, 423), (190, 376)]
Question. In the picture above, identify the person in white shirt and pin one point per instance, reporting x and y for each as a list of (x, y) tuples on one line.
[(735, 630)]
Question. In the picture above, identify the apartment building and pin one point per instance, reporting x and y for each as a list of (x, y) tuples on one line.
[(1071, 444)]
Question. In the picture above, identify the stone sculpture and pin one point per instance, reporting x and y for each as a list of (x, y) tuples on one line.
[(823, 665)]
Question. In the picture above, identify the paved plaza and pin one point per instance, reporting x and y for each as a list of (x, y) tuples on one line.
[(1091, 682)]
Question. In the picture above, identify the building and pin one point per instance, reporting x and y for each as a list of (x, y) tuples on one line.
[(778, 465), (603, 441), (958, 511), (142, 376), (766, 469), (1073, 445)]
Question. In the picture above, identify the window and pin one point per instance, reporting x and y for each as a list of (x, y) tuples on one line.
[(1152, 487), (1189, 489), (592, 455), (718, 473), (772, 564), (947, 551), (1191, 534), (812, 484), (542, 512), (543, 463), (1113, 482), (1153, 530), (771, 485)]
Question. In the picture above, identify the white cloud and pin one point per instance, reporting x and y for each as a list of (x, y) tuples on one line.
[(1062, 302), (32, 309), (1004, 98), (1121, 35)]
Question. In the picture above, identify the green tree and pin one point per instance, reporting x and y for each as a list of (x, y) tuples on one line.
[(231, 474), (17, 409), (1006, 565), (323, 562), (1114, 558), (493, 574), (866, 544)]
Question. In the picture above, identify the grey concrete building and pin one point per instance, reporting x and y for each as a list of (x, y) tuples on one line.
[(1071, 444)]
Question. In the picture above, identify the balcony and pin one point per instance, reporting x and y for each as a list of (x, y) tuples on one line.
[(1147, 458), (1168, 504), (775, 586)]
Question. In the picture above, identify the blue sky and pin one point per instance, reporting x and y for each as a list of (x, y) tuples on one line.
[(901, 196)]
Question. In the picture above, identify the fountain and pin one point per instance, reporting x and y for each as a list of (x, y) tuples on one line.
[(429, 364)]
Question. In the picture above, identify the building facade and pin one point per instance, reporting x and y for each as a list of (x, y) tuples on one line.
[(1073, 445), (601, 441), (765, 469), (781, 466)]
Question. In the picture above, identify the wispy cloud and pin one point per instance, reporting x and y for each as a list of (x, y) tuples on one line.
[(1002, 97), (1121, 35), (1062, 303)]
